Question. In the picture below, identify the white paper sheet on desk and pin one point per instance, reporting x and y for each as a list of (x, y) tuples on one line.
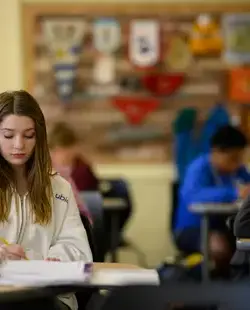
[(41, 273)]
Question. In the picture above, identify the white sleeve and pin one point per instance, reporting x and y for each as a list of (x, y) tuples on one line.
[(71, 243)]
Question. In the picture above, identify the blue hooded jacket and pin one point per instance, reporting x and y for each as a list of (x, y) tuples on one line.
[(201, 185)]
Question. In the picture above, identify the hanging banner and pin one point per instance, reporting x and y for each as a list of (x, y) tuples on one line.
[(64, 37), (104, 74), (178, 56), (104, 70), (236, 28), (163, 84), (205, 37), (106, 35), (144, 43), (136, 109), (239, 87)]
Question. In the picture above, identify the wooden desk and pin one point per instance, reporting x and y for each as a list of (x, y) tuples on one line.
[(10, 288), (109, 274), (114, 204), (105, 277), (99, 266)]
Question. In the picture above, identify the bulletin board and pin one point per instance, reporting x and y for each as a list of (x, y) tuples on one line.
[(99, 107)]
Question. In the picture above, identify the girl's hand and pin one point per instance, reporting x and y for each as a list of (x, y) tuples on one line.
[(14, 251), (3, 253)]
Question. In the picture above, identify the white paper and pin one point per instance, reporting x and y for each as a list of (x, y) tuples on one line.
[(41, 273)]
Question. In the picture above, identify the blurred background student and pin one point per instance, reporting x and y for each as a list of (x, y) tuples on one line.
[(69, 162), (217, 177), (65, 154)]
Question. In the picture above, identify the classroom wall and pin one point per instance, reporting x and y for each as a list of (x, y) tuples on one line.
[(150, 184)]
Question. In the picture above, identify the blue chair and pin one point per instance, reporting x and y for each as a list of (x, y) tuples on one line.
[(94, 203)]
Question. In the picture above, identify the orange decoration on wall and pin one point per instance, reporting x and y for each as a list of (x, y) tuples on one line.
[(239, 87), (205, 36)]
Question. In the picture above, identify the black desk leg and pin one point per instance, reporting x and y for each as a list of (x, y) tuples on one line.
[(205, 247), (114, 236)]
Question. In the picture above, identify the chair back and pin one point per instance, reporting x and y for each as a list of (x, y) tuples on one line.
[(233, 296), (174, 204), (89, 231), (94, 203), (117, 188)]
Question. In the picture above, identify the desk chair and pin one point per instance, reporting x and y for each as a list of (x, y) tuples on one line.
[(94, 203), (223, 296)]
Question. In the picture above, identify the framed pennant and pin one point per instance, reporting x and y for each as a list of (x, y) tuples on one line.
[(64, 37), (104, 74), (106, 35), (237, 31), (239, 85), (104, 70), (136, 108), (144, 43), (178, 55), (206, 37)]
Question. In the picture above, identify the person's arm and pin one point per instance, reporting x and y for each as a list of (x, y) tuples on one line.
[(242, 221), (84, 177), (71, 244), (197, 188)]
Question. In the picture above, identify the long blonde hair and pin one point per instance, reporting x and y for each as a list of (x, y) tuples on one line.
[(38, 167)]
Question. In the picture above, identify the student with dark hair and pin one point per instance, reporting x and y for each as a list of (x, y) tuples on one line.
[(217, 177)]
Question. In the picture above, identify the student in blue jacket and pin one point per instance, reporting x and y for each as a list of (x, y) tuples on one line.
[(218, 177)]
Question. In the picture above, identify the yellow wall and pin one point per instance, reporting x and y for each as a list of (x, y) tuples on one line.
[(150, 184)]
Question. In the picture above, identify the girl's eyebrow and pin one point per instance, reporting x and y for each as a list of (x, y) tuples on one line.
[(9, 129)]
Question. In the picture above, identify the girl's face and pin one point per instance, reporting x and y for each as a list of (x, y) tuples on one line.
[(17, 139)]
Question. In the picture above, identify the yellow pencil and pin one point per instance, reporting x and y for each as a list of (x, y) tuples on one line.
[(4, 241)]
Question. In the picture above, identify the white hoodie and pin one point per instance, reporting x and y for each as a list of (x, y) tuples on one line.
[(64, 237)]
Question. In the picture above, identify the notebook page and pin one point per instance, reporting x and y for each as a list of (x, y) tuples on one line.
[(44, 272)]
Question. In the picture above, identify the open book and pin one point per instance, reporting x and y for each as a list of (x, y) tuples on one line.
[(41, 273)]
